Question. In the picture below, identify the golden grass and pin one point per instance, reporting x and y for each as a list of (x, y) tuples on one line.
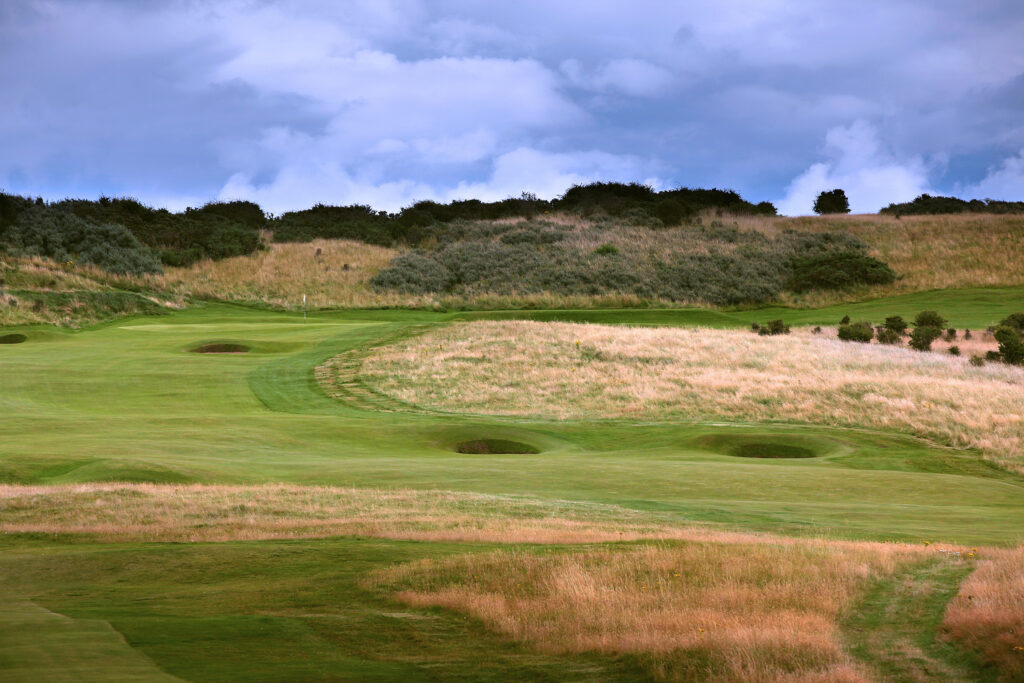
[(574, 371), (928, 252), (726, 610), (193, 512), (284, 272), (988, 614)]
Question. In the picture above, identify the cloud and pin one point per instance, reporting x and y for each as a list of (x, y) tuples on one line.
[(859, 165), (1004, 182), (546, 174), (634, 77)]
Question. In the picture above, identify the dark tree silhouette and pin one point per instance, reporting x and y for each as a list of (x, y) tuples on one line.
[(832, 202)]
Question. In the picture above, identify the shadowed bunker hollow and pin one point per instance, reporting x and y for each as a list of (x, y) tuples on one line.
[(220, 347), (494, 447), (769, 446), (12, 338)]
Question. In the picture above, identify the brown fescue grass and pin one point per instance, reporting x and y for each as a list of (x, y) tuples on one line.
[(194, 512), (725, 610), (574, 371), (281, 274), (928, 252), (987, 616)]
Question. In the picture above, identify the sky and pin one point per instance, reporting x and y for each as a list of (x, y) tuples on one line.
[(386, 102)]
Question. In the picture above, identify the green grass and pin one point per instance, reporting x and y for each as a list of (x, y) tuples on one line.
[(127, 401)]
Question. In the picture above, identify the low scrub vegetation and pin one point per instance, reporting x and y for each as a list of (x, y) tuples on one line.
[(926, 204), (718, 263), (570, 371)]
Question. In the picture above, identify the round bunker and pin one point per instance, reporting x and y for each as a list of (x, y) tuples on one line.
[(765, 446), (13, 338), (771, 450), (495, 447), (220, 347)]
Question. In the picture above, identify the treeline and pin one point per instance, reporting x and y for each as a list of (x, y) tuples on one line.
[(632, 202), (927, 205), (125, 236)]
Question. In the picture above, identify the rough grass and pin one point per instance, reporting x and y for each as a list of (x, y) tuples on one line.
[(283, 273), (572, 371), (728, 611), (987, 615), (928, 252), (158, 512)]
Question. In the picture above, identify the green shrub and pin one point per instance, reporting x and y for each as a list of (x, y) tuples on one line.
[(1014, 320), (922, 337), (886, 335), (1011, 348), (930, 319), (606, 249), (838, 271), (845, 320), (858, 332), (62, 236), (896, 323), (967, 334), (954, 350), (832, 202), (993, 356), (773, 327), (977, 361), (950, 334), (413, 273)]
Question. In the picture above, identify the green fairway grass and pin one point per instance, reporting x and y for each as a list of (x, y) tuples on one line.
[(129, 401)]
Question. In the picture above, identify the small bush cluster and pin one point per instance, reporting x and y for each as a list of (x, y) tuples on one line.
[(859, 332), (772, 327)]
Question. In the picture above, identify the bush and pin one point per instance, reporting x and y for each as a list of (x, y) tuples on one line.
[(977, 361), (1011, 348), (413, 273), (845, 320), (967, 334), (950, 334), (1014, 320), (896, 323), (671, 212), (858, 332), (930, 319), (993, 356), (922, 337), (839, 271), (954, 350), (887, 336), (773, 327), (606, 249), (45, 231)]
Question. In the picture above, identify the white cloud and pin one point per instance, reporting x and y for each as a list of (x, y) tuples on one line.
[(545, 174), (1005, 182), (859, 165)]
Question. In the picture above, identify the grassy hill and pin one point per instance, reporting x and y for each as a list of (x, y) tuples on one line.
[(200, 490)]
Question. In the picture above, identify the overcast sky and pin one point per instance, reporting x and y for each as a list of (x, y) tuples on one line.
[(386, 102)]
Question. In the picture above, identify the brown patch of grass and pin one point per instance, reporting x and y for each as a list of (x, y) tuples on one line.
[(163, 512), (284, 272), (987, 616), (725, 610), (573, 371)]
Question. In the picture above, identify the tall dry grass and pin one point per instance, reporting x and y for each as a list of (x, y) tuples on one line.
[(987, 615), (574, 371), (718, 611), (330, 273), (168, 512)]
